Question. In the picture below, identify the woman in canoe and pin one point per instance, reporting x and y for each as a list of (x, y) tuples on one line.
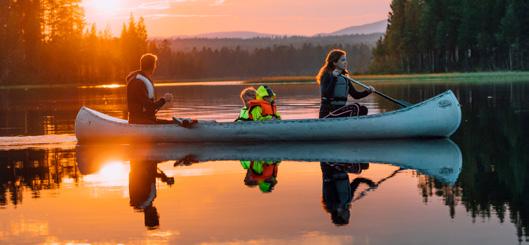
[(335, 89)]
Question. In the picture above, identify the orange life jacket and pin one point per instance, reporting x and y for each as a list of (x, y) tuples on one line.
[(269, 170), (269, 109)]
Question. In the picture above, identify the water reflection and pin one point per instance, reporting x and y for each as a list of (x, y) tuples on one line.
[(440, 159), (36, 170), (492, 184), (338, 192), (139, 175), (261, 173), (342, 170), (142, 189)]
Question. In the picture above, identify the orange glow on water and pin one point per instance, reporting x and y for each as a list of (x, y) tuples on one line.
[(111, 174), (112, 85)]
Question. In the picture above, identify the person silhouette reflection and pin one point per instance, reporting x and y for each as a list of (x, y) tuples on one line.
[(142, 189), (262, 174), (337, 191)]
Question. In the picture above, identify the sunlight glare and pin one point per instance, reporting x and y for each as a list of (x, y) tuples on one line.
[(113, 173), (100, 10)]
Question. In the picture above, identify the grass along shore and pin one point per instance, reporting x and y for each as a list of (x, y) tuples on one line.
[(457, 77)]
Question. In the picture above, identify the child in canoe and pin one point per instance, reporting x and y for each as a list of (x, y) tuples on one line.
[(260, 108), (248, 94)]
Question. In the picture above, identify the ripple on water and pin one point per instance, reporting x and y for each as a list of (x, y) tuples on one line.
[(39, 141)]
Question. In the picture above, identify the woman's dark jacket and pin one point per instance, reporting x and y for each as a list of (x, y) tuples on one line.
[(329, 101), (327, 84)]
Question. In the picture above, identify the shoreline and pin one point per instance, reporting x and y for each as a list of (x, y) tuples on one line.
[(495, 76)]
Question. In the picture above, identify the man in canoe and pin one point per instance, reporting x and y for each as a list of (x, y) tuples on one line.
[(141, 97)]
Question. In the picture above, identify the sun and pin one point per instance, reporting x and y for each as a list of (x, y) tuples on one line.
[(100, 10)]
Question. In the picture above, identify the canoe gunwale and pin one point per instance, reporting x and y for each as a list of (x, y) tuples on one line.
[(436, 117), (123, 122)]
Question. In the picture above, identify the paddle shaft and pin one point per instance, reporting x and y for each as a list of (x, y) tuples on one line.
[(376, 92), (364, 193)]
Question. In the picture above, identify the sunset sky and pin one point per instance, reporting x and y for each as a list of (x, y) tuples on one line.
[(189, 17)]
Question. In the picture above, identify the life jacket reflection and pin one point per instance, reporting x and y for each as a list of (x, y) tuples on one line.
[(261, 173)]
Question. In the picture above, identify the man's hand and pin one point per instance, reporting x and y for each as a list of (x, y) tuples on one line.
[(168, 97)]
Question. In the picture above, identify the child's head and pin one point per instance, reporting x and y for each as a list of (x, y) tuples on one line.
[(265, 93), (268, 99), (248, 94)]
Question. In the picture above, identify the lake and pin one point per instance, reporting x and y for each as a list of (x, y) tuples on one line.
[(470, 189)]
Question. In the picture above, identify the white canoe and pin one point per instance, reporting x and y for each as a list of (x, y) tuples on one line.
[(436, 117), (439, 158)]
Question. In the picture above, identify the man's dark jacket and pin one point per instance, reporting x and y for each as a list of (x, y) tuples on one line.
[(141, 108)]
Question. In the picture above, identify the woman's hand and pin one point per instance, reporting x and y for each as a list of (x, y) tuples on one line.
[(370, 89), (168, 97), (336, 72)]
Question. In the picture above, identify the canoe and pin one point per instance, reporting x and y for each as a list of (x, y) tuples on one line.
[(439, 158), (437, 117)]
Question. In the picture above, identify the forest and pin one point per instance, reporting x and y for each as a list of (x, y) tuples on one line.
[(49, 42), (454, 35)]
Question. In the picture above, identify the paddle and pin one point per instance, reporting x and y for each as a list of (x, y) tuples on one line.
[(364, 193), (399, 102)]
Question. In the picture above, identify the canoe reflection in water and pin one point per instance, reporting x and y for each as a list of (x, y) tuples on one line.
[(440, 159), (142, 189)]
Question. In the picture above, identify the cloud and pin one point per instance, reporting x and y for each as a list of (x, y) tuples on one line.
[(161, 16), (167, 4), (218, 2), (313, 237), (124, 17), (158, 5)]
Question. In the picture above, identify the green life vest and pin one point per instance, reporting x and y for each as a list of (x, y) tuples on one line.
[(244, 115)]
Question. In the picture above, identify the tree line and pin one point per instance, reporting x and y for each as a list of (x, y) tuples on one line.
[(188, 43), (238, 63), (494, 180), (48, 42), (454, 35)]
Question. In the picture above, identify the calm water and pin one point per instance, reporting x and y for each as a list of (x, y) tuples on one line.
[(468, 190)]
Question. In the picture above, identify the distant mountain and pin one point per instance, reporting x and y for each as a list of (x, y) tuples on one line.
[(189, 43), (376, 27), (234, 34), (371, 28)]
